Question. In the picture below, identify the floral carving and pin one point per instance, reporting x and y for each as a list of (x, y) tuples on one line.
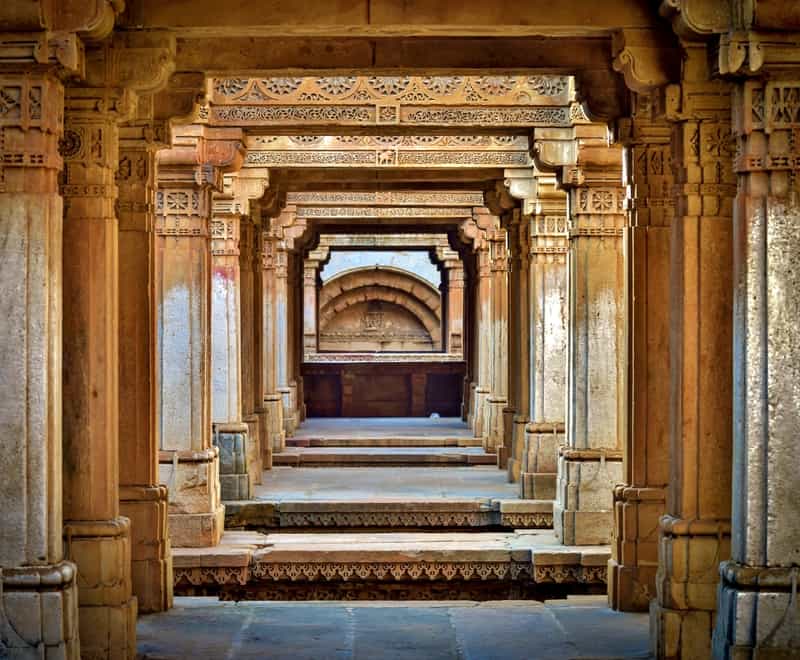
[(389, 85), (70, 144), (337, 85), (548, 85), (306, 139), (496, 85), (281, 86), (443, 85), (230, 86), (10, 102)]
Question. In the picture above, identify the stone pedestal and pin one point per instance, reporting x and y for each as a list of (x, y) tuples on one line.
[(548, 347), (97, 538), (234, 476), (142, 499), (695, 532), (640, 502), (38, 590), (591, 464), (758, 614)]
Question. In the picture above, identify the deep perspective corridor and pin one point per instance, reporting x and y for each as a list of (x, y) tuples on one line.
[(492, 305)]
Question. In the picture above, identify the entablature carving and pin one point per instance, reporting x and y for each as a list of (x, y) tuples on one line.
[(387, 198)]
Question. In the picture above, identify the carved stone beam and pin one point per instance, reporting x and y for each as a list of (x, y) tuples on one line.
[(181, 99), (647, 59), (554, 149), (248, 185), (697, 20)]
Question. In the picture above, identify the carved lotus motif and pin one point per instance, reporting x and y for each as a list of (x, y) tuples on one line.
[(337, 85), (70, 145), (281, 86), (496, 85), (443, 85), (548, 85), (389, 85), (230, 86)]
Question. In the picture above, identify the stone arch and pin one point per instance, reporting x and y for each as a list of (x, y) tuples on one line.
[(386, 276)]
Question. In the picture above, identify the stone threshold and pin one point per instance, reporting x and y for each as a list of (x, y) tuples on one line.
[(378, 441), (381, 457), (389, 514), (395, 566)]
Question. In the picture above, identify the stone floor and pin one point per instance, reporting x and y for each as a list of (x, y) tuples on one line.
[(580, 627), (381, 427), (377, 483)]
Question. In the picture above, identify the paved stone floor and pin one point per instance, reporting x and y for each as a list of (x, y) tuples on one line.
[(580, 627), (378, 483), (348, 427)]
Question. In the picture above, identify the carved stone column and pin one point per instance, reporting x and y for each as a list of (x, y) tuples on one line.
[(483, 342), (758, 614), (36, 584), (230, 432), (498, 346), (455, 307), (311, 284), (273, 400), (97, 537), (188, 174), (142, 499), (694, 535), (548, 286), (250, 366), (591, 463), (283, 351), (518, 342), (640, 501)]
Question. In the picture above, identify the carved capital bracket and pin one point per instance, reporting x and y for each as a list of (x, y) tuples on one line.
[(696, 20), (647, 59)]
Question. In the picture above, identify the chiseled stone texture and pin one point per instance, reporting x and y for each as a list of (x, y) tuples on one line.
[(234, 478)]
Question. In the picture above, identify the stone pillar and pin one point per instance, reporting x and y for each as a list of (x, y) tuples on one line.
[(518, 341), (695, 532), (640, 501), (758, 613), (97, 537), (230, 431), (273, 400), (591, 463), (249, 364), (483, 343), (283, 354), (497, 399), (188, 174), (142, 499), (455, 307), (38, 589), (544, 435), (310, 337)]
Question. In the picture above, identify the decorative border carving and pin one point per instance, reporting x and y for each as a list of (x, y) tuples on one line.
[(386, 158), (389, 197), (383, 212)]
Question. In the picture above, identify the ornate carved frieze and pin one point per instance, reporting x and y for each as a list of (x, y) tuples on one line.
[(391, 157), (181, 212), (383, 211), (549, 235), (393, 100), (386, 198)]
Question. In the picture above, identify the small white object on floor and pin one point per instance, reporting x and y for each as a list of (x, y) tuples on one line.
[(434, 415)]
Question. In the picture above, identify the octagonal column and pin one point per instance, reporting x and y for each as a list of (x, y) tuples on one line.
[(230, 432), (97, 537), (518, 342), (695, 531), (591, 464), (758, 613), (548, 286), (640, 501), (37, 584), (142, 498), (189, 462)]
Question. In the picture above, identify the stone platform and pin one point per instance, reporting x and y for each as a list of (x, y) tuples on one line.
[(368, 456), (390, 566)]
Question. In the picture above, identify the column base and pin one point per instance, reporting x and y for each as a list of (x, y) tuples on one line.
[(39, 612), (479, 398), (518, 425), (289, 411), (196, 515), (758, 614), (151, 553), (266, 440), (539, 462), (255, 461), (273, 405), (582, 513), (493, 411), (505, 448), (634, 547), (682, 616), (234, 477), (106, 609)]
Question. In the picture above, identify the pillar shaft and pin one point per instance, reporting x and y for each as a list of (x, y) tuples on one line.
[(590, 465), (640, 501), (694, 535), (189, 462), (97, 537), (31, 545), (142, 498), (498, 342), (455, 309), (544, 434), (273, 400), (483, 343), (310, 337), (758, 613)]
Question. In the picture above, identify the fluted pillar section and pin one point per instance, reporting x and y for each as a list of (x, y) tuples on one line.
[(549, 323), (695, 531), (758, 614), (640, 501), (97, 537), (591, 464), (34, 576), (189, 461), (231, 434), (142, 498), (518, 341)]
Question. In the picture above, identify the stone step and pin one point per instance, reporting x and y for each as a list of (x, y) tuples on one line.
[(402, 566), (379, 441), (383, 457), (390, 514)]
